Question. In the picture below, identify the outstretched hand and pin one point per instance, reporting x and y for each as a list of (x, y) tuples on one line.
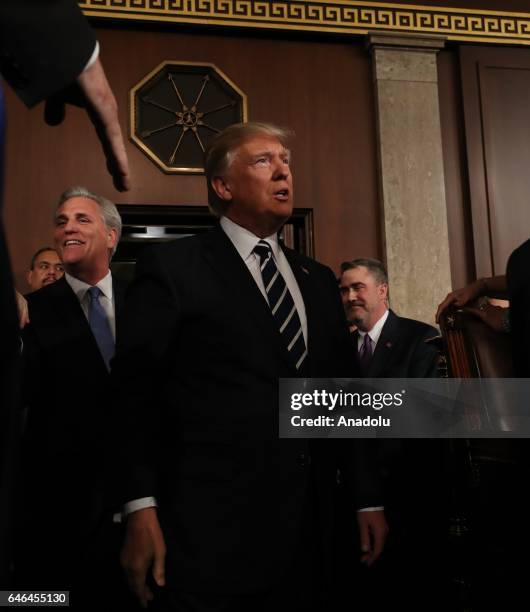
[(92, 91)]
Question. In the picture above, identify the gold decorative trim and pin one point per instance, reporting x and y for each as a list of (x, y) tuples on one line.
[(332, 16)]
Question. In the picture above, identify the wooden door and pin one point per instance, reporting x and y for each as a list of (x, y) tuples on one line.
[(496, 97)]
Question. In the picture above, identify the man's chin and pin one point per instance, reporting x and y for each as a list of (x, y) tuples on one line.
[(278, 219), (73, 260), (283, 209), (355, 321)]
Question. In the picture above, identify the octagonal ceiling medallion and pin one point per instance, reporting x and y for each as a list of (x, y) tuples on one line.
[(178, 108)]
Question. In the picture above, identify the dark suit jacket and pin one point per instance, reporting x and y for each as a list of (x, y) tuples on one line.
[(401, 350), (517, 279), (43, 47), (64, 458), (414, 563), (412, 469), (200, 360)]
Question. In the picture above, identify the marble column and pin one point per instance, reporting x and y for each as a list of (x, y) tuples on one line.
[(412, 189)]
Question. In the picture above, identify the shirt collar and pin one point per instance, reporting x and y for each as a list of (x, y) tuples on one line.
[(376, 330), (80, 288), (245, 241)]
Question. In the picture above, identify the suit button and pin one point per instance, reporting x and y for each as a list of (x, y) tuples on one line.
[(304, 459)]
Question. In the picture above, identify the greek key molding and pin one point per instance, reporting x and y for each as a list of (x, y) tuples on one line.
[(333, 16)]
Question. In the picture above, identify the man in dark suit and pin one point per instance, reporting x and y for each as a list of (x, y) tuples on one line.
[(67, 347), (46, 48), (390, 346), (211, 323)]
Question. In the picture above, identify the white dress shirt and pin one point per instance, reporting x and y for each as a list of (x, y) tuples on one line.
[(245, 241), (374, 333)]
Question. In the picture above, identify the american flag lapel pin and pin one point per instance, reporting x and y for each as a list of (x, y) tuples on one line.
[(389, 344)]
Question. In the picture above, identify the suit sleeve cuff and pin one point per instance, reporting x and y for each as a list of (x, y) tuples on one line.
[(371, 509), (93, 57), (133, 506)]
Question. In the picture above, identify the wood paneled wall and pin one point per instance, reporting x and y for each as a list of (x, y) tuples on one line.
[(320, 88), (484, 99), (455, 170), (496, 96)]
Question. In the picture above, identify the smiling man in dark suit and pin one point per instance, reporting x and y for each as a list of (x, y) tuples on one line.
[(211, 323), (67, 348), (47, 52), (388, 346)]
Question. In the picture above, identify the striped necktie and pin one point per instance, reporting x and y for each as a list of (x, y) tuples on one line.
[(99, 324), (282, 305)]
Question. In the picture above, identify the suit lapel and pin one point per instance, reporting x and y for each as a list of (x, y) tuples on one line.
[(68, 308), (226, 262), (385, 349), (118, 291), (355, 342), (303, 278), (73, 320)]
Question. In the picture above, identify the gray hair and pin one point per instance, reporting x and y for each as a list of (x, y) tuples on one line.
[(374, 266), (109, 212), (220, 153)]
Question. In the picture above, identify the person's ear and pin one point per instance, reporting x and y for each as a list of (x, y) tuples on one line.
[(112, 237), (221, 188)]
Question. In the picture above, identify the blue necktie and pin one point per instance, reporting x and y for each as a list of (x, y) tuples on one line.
[(282, 305), (99, 324)]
